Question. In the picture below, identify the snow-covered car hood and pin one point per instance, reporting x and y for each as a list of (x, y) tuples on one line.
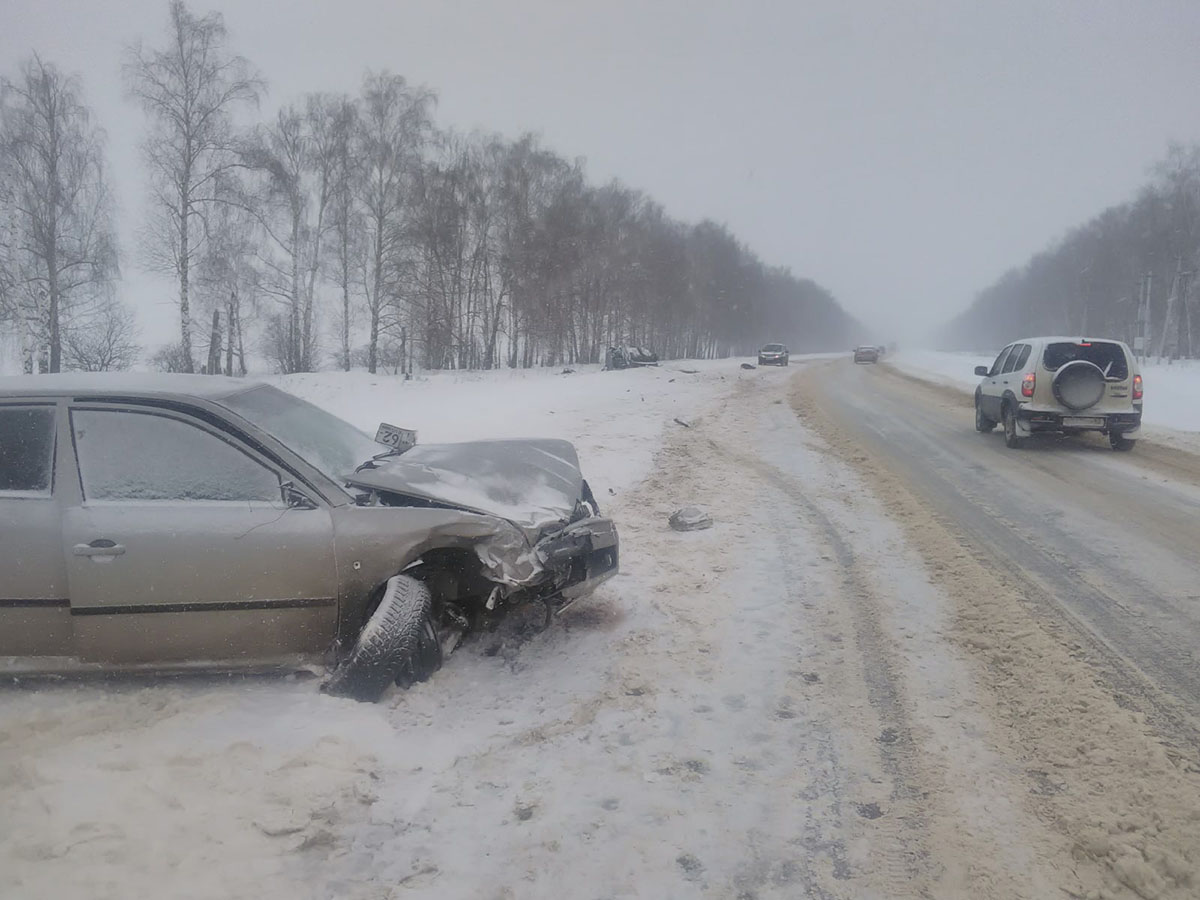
[(531, 483)]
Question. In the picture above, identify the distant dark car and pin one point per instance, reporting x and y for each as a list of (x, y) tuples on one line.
[(866, 354), (629, 357), (773, 355)]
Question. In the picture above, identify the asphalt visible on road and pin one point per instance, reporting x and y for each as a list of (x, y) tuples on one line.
[(1109, 541)]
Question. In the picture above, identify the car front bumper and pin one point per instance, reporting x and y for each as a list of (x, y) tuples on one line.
[(583, 555), (772, 360)]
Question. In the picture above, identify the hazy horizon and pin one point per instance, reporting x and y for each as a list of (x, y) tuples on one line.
[(903, 158)]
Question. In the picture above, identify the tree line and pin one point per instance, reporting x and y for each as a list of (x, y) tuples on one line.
[(350, 230), (1128, 273)]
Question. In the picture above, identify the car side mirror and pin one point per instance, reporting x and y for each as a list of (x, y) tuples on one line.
[(294, 498), (982, 371)]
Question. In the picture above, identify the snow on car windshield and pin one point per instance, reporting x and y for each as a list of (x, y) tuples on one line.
[(1109, 357), (332, 445)]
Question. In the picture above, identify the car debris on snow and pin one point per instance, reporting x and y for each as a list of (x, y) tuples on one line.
[(690, 518), (749, 366)]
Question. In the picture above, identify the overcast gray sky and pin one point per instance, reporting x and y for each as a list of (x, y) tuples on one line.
[(903, 154)]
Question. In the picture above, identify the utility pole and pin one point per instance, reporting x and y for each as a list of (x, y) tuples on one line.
[(1176, 304)]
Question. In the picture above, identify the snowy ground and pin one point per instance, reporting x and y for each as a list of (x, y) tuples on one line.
[(784, 706)]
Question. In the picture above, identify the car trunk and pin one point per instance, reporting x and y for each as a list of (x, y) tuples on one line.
[(1109, 356)]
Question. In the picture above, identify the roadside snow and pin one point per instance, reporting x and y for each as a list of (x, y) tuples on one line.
[(203, 788), (615, 419)]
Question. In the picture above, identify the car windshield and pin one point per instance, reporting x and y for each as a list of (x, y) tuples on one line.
[(1107, 356), (773, 348), (328, 443)]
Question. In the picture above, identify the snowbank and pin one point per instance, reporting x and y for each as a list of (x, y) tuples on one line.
[(614, 418)]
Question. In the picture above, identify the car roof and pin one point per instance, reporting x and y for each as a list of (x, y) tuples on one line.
[(1066, 339), (96, 384)]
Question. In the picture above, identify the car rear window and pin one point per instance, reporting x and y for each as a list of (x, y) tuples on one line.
[(26, 449), (1107, 356)]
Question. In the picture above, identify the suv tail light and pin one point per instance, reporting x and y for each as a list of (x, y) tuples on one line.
[(1137, 387), (1029, 382)]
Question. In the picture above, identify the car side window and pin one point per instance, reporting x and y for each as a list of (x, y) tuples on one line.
[(1010, 361), (1000, 360), (1022, 357), (131, 455), (26, 450)]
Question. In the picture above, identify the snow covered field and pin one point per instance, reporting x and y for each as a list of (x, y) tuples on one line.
[(212, 788), (1172, 390), (803, 701)]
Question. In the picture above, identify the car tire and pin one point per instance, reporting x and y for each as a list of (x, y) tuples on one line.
[(1120, 442), (983, 424), (1011, 439), (398, 644)]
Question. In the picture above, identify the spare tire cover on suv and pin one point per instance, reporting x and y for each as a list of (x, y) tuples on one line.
[(1079, 384)]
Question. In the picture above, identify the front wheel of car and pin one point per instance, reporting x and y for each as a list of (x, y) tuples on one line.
[(1011, 439), (1120, 442), (982, 423), (398, 644)]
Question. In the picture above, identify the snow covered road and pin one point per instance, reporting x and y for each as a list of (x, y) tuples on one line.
[(832, 693)]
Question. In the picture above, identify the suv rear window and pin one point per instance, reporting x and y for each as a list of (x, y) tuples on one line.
[(26, 449), (1109, 357)]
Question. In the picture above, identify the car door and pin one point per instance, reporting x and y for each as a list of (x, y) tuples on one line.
[(1006, 379), (989, 390), (34, 610), (179, 547)]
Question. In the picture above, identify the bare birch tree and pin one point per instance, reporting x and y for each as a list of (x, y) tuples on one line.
[(59, 248), (394, 127), (190, 89)]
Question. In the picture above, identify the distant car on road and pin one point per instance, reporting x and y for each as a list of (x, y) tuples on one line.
[(866, 354), (186, 521), (773, 355), (1065, 385)]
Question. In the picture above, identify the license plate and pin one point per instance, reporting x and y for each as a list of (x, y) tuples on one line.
[(1082, 422), (396, 438)]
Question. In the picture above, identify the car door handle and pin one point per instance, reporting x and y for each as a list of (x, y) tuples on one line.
[(101, 547)]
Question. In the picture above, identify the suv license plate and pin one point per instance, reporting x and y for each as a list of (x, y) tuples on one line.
[(1082, 422)]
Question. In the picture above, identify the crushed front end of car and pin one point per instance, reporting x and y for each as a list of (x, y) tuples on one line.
[(530, 521)]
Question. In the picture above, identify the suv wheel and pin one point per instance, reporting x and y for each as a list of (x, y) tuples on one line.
[(982, 423), (1011, 439)]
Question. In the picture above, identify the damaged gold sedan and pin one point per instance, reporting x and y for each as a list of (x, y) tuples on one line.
[(175, 522)]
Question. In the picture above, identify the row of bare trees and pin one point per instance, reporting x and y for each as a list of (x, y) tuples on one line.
[(1128, 274), (58, 259), (352, 230)]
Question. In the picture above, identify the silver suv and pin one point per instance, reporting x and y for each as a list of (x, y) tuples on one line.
[(1064, 385)]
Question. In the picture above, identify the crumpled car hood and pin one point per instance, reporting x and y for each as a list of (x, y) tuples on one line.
[(531, 483)]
